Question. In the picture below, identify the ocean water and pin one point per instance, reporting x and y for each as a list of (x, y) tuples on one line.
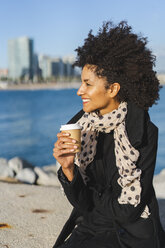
[(30, 121)]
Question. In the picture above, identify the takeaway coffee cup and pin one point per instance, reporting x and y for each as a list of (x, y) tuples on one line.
[(75, 131)]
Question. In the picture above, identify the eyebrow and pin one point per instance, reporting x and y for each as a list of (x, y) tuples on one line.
[(86, 80)]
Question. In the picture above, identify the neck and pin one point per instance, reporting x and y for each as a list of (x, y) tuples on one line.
[(114, 105)]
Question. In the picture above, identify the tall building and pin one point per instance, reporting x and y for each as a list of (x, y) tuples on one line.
[(20, 56), (45, 65), (68, 62), (57, 67), (51, 67)]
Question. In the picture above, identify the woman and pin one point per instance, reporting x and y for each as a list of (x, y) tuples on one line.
[(109, 183)]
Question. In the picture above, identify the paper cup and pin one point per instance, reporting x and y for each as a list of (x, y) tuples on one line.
[(75, 131)]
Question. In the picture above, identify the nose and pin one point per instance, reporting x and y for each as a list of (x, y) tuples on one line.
[(81, 90)]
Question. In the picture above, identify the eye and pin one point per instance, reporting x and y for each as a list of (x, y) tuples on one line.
[(87, 84)]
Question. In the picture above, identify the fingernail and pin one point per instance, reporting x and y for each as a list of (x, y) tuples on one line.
[(75, 146), (74, 141), (66, 134), (72, 150)]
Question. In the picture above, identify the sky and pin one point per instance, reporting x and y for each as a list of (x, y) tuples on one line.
[(58, 27)]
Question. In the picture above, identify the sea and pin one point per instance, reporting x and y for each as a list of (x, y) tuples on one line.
[(31, 119)]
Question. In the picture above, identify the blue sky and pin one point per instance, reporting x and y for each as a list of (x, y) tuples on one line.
[(59, 26)]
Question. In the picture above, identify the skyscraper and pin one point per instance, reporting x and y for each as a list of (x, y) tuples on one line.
[(51, 67), (68, 62), (20, 56), (45, 65)]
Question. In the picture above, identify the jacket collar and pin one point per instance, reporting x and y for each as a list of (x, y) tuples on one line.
[(136, 120)]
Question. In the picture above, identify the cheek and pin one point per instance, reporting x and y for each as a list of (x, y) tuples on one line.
[(95, 93), (100, 97), (102, 101)]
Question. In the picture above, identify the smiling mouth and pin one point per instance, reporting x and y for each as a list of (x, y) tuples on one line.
[(85, 101)]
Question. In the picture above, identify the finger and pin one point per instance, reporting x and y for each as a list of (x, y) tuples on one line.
[(55, 155), (66, 146), (56, 145), (62, 134), (59, 144), (63, 153), (58, 152), (67, 151), (67, 140)]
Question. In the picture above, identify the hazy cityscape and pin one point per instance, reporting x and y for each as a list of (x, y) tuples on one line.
[(26, 66)]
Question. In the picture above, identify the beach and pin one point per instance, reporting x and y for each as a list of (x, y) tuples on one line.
[(39, 86), (51, 85), (34, 215)]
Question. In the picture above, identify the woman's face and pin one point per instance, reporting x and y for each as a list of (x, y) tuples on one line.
[(94, 94)]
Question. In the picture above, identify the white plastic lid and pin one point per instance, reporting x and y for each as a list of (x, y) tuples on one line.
[(70, 127)]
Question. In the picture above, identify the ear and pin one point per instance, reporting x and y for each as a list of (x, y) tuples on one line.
[(113, 89)]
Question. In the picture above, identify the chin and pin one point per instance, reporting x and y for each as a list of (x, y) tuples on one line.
[(86, 110), (89, 109)]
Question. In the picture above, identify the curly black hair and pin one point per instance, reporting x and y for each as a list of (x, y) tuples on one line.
[(121, 56)]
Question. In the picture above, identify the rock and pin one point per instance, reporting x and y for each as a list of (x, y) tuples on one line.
[(160, 178), (4, 161), (162, 172), (5, 170), (46, 178), (17, 164), (53, 168), (159, 184), (57, 165), (27, 175)]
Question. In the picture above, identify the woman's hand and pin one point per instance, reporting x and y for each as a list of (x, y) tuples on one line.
[(64, 152)]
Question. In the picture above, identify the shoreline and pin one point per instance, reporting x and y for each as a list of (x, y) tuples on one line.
[(41, 86), (33, 216)]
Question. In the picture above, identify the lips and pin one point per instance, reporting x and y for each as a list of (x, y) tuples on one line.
[(85, 100)]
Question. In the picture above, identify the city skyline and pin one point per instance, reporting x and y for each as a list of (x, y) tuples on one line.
[(59, 27), (26, 65)]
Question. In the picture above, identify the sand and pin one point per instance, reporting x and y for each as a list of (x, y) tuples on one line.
[(36, 214), (40, 86)]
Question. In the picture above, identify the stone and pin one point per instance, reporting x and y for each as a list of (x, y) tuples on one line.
[(46, 178), (53, 168), (26, 175), (159, 184), (160, 178), (5, 170), (4, 161), (162, 172), (17, 164), (57, 165)]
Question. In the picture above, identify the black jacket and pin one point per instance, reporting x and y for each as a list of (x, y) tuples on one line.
[(99, 199)]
